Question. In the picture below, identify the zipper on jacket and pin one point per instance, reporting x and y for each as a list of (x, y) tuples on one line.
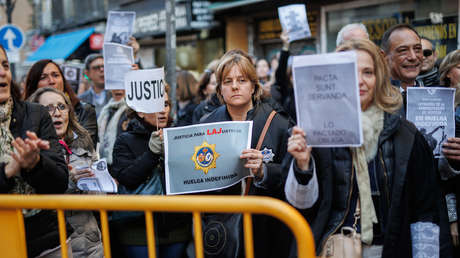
[(348, 207), (385, 176)]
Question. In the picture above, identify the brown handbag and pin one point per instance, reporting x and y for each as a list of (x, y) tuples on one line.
[(346, 244)]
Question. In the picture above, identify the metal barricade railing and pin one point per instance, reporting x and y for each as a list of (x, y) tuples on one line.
[(12, 232)]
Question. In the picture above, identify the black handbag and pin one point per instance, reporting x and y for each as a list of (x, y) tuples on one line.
[(152, 186), (223, 233)]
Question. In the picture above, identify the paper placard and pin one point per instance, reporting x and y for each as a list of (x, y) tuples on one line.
[(431, 109), (120, 26), (293, 19), (327, 99), (118, 60), (145, 90), (102, 181), (205, 157)]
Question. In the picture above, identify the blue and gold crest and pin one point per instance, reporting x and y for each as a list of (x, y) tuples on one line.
[(205, 157)]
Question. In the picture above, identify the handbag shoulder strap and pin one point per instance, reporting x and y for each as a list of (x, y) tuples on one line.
[(259, 145)]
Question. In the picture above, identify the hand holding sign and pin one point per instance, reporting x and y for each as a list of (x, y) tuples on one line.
[(145, 90)]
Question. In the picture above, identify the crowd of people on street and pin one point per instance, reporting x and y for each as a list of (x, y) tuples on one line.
[(399, 199)]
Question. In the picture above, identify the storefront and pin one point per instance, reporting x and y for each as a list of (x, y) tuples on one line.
[(199, 38), (436, 20)]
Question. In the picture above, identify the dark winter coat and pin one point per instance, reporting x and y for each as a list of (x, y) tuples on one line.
[(282, 91), (185, 115), (271, 238), (49, 176), (205, 108), (411, 193), (133, 163)]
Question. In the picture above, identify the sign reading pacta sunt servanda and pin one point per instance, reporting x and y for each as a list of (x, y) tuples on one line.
[(145, 90)]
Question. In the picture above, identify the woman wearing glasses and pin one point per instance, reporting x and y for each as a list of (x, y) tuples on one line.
[(46, 73), (30, 162), (78, 149)]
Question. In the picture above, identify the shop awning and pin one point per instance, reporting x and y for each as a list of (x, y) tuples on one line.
[(59, 47), (219, 6)]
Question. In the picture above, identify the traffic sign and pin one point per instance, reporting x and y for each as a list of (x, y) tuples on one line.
[(11, 37)]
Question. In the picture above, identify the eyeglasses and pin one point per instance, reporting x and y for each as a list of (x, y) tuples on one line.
[(97, 67), (427, 52), (61, 107)]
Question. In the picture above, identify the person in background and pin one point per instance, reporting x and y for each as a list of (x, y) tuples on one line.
[(94, 71), (46, 73), (352, 31), (138, 155), (207, 91), (30, 162), (186, 98), (282, 90), (449, 71), (429, 72), (239, 89), (112, 122), (78, 149), (403, 51), (263, 73)]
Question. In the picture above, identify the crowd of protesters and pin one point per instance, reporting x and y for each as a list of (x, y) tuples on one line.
[(392, 190)]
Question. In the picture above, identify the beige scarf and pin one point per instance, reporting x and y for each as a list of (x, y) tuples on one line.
[(6, 138), (372, 122), (6, 110)]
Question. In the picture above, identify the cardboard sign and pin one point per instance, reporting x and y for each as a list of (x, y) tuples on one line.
[(145, 90)]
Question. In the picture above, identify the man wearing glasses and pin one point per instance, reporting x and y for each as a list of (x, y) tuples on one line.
[(429, 71), (94, 73)]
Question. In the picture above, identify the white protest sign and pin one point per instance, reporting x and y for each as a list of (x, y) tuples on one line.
[(327, 99), (118, 60), (120, 26), (145, 90), (293, 19), (102, 181), (432, 112)]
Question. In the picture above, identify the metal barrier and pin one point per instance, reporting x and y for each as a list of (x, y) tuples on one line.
[(12, 232)]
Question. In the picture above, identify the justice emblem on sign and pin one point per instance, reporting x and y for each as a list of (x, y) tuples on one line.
[(205, 157)]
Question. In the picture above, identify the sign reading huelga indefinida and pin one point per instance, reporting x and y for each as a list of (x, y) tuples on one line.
[(432, 111), (205, 157)]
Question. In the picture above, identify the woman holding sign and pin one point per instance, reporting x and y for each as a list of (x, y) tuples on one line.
[(138, 159), (386, 190), (449, 71), (239, 89), (77, 147)]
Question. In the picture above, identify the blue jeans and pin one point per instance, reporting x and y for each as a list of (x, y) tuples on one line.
[(175, 250)]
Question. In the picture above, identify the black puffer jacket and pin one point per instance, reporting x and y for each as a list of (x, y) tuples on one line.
[(409, 184), (271, 238), (50, 175), (86, 115), (133, 163)]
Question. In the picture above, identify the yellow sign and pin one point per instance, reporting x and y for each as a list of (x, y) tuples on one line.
[(205, 157)]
